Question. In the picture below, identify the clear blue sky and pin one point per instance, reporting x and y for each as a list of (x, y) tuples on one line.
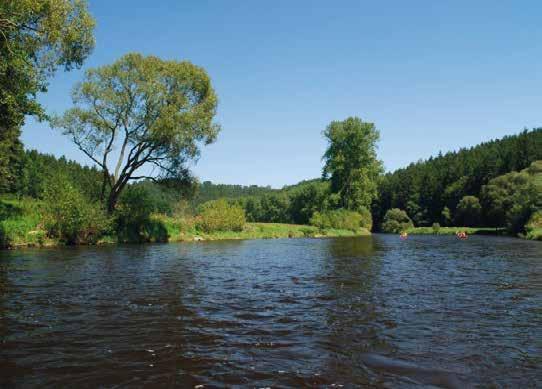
[(432, 75)]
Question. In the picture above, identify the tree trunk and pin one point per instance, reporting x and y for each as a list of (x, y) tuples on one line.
[(112, 201)]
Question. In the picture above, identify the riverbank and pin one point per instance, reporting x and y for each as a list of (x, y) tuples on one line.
[(25, 230), (532, 234), (455, 230)]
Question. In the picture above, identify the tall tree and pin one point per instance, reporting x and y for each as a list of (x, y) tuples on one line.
[(351, 163), (36, 37), (154, 112)]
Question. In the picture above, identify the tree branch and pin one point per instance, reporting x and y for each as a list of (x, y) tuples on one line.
[(121, 156)]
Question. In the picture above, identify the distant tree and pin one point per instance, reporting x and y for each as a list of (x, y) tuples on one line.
[(396, 220), (468, 212), (351, 163), (36, 37), (156, 112)]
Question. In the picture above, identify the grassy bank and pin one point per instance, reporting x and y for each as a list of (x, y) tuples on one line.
[(21, 226), (454, 230), (177, 231)]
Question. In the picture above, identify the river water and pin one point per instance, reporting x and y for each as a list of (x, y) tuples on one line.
[(353, 312)]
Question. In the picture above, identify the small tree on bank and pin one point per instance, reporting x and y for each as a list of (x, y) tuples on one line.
[(153, 112), (396, 220)]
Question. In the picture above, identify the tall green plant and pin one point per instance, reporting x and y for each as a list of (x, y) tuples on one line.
[(351, 163)]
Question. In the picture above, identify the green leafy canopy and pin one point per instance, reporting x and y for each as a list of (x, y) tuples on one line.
[(152, 111)]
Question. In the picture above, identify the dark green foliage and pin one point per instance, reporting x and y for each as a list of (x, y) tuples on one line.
[(340, 219), (396, 221), (468, 212), (207, 191), (510, 200), (219, 215), (70, 216), (269, 208), (36, 169), (11, 157), (306, 199), (133, 215), (425, 188), (36, 37)]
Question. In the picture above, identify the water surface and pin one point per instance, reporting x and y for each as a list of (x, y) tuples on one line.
[(275, 313)]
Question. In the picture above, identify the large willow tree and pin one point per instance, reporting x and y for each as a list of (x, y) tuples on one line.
[(141, 111), (36, 37), (351, 162)]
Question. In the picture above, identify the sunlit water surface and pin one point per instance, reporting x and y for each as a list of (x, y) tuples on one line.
[(275, 313)]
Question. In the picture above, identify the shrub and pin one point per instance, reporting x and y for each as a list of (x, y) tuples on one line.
[(133, 215), (219, 215), (69, 216), (533, 228), (396, 220), (436, 228), (339, 219), (20, 222), (366, 218)]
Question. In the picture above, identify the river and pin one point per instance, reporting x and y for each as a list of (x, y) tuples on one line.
[(354, 312)]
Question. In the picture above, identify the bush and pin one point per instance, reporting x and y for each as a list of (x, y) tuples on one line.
[(340, 219), (366, 218), (396, 220), (133, 215), (219, 215), (436, 228), (69, 216), (533, 228)]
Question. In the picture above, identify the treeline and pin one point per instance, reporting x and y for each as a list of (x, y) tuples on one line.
[(434, 191), (207, 191), (35, 169)]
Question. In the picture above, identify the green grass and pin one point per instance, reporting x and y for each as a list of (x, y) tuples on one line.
[(179, 231), (20, 223), (454, 230)]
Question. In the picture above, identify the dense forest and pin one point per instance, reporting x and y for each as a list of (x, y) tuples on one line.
[(430, 191)]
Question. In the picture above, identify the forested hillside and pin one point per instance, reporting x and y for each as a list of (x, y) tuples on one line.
[(430, 191)]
